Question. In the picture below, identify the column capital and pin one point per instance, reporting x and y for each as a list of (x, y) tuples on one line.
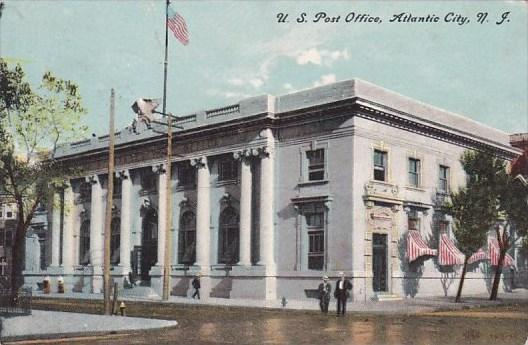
[(92, 179), (199, 162), (123, 174), (160, 169)]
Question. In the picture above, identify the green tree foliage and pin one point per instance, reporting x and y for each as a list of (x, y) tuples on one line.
[(33, 123), (474, 208)]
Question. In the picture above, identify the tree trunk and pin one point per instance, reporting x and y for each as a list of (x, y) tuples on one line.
[(461, 283), (18, 254), (496, 279)]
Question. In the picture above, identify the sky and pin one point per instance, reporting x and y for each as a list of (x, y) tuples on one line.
[(238, 49)]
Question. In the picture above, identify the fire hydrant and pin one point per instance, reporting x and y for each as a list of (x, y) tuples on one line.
[(122, 308), (46, 285), (60, 284)]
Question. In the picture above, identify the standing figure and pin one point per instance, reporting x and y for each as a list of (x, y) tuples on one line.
[(324, 294), (341, 293), (196, 286)]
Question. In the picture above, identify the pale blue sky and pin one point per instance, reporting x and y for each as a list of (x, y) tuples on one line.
[(237, 49)]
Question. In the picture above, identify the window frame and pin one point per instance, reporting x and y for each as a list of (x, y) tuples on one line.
[(316, 165), (227, 169), (315, 223), (443, 179), (184, 235), (384, 167), (226, 229), (417, 174), (84, 243)]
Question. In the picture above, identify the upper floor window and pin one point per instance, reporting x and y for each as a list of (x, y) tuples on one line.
[(443, 179), (148, 180), (316, 164), (380, 165), (414, 172), (186, 175), (227, 169)]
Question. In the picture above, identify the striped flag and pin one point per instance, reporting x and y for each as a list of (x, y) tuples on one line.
[(176, 23)]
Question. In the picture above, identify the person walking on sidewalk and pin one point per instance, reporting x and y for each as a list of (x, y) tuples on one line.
[(196, 286), (341, 293), (324, 294)]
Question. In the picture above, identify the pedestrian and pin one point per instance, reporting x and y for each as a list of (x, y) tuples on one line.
[(324, 294), (196, 286), (341, 293)]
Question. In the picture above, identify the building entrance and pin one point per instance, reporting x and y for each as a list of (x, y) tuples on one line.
[(379, 262), (148, 254)]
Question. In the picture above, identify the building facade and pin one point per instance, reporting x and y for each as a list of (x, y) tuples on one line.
[(271, 193)]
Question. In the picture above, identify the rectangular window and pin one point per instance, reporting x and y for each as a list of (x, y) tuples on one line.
[(414, 172), (316, 250), (380, 165), (316, 165), (227, 170), (186, 175), (413, 221), (315, 223), (443, 179), (2, 237)]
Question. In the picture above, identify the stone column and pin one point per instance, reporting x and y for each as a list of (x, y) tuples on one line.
[(267, 228), (203, 213), (203, 230), (162, 212), (55, 230), (96, 233), (67, 231), (245, 207), (124, 246)]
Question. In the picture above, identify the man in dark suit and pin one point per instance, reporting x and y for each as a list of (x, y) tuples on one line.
[(324, 294), (196, 286), (341, 293)]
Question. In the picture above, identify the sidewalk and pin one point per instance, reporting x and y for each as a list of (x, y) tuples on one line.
[(52, 322), (404, 306)]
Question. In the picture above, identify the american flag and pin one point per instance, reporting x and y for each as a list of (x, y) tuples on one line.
[(176, 23)]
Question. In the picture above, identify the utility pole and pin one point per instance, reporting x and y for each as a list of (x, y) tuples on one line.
[(108, 216)]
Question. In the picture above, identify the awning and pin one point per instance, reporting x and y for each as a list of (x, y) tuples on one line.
[(416, 246), (449, 253), (494, 253), (479, 255)]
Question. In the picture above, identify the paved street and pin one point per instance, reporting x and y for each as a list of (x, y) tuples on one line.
[(505, 325)]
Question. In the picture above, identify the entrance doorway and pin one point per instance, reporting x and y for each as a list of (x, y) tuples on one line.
[(379, 262), (149, 243)]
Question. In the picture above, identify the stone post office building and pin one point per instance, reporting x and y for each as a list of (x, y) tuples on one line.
[(271, 193)]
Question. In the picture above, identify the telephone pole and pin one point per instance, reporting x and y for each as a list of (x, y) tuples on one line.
[(109, 205)]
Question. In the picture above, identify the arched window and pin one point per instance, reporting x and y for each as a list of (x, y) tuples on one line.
[(187, 239), (115, 241), (84, 243), (228, 237)]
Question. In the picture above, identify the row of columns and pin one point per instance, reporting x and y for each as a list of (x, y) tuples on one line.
[(203, 214)]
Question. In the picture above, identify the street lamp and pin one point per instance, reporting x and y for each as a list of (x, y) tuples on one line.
[(146, 108)]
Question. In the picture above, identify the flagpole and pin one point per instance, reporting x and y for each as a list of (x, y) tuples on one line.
[(168, 171)]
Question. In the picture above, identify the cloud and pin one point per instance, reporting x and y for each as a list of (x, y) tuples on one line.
[(321, 57), (325, 79), (228, 94), (288, 87)]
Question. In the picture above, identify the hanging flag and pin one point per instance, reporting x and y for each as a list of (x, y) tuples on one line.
[(176, 23)]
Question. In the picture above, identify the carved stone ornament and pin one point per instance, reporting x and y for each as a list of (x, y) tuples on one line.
[(199, 162)]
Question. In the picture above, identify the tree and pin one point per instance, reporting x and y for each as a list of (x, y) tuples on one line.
[(474, 207), (32, 125), (514, 205)]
